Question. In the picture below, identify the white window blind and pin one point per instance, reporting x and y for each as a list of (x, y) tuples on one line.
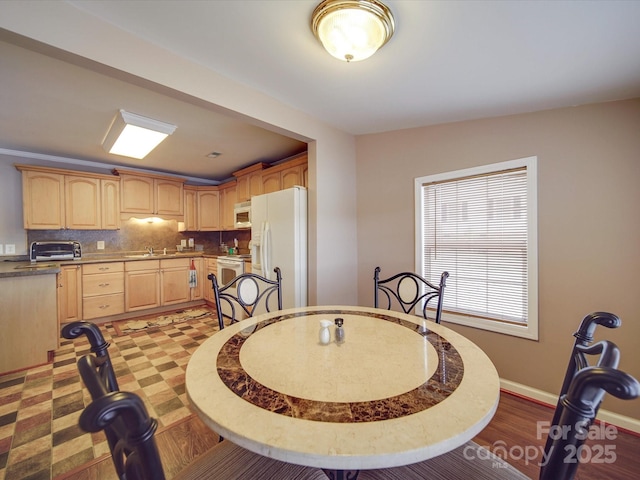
[(476, 228)]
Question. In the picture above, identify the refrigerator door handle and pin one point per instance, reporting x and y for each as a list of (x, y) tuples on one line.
[(266, 251)]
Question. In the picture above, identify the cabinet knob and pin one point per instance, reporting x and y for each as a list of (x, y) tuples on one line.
[(103, 284)]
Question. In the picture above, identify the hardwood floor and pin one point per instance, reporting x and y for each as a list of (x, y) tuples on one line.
[(179, 444), (514, 427)]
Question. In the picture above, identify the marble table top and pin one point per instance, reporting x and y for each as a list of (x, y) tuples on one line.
[(390, 395)]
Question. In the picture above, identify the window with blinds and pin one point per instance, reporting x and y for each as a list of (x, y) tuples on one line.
[(479, 225)]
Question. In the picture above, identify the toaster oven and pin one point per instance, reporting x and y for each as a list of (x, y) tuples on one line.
[(48, 251)]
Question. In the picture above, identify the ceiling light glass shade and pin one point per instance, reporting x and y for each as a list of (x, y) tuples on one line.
[(352, 30), (133, 135)]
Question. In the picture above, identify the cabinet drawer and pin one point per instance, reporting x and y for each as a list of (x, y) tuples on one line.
[(104, 284), (103, 306), (91, 268), (175, 263), (139, 265)]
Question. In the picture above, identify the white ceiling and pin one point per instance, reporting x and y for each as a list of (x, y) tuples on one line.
[(448, 61)]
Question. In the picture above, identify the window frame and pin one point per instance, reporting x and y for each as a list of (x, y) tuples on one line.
[(530, 329)]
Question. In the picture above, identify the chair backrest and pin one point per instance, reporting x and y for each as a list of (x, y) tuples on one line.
[(245, 295), (607, 355), (576, 412), (99, 347), (135, 453), (409, 291), (584, 336)]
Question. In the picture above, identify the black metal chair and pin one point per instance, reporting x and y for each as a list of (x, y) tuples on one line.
[(246, 294), (575, 413), (99, 346), (130, 431), (584, 337), (582, 350), (409, 291)]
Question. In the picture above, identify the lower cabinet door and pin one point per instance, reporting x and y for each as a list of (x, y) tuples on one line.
[(175, 286), (142, 290)]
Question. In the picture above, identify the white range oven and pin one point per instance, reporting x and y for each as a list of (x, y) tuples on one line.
[(229, 267)]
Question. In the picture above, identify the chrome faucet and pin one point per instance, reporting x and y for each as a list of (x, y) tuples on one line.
[(150, 250)]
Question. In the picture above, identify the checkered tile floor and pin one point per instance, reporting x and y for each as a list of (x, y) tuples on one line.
[(39, 408)]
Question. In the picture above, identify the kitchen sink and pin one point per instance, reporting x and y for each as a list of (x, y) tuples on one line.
[(144, 255)]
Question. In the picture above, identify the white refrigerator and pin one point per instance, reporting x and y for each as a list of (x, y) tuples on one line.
[(279, 239)]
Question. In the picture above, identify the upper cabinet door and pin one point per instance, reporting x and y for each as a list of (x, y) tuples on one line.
[(43, 200), (137, 194), (208, 210), (110, 204), (190, 209), (291, 177), (169, 197), (83, 206), (271, 182)]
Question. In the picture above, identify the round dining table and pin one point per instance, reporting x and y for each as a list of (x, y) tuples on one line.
[(393, 390)]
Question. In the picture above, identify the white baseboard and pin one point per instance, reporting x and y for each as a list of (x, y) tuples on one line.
[(628, 423)]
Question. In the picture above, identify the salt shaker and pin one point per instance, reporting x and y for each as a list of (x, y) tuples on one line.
[(339, 331), (325, 334)]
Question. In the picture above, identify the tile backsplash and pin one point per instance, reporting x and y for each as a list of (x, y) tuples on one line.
[(135, 235)]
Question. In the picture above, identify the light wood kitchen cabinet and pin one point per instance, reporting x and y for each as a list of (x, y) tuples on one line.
[(42, 200), (271, 182), (285, 175), (211, 267), (91, 203), (82, 203), (249, 182), (151, 195), (102, 289), (174, 279), (30, 330), (142, 285), (208, 214), (169, 197), (69, 294), (227, 203), (56, 199), (201, 209), (190, 208), (292, 177), (110, 190)]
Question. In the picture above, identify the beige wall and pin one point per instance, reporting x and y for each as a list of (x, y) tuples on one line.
[(588, 214)]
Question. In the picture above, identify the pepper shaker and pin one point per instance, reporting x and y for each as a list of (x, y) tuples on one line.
[(339, 331)]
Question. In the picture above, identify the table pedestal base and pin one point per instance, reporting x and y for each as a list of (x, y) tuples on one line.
[(341, 474)]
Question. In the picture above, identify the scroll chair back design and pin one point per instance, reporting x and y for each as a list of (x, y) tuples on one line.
[(99, 347), (135, 452), (247, 294), (409, 291), (584, 337), (575, 413), (607, 352)]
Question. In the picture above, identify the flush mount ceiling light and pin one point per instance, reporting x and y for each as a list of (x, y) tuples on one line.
[(352, 30), (133, 135)]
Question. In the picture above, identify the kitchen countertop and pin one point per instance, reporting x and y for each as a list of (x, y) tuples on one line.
[(14, 268)]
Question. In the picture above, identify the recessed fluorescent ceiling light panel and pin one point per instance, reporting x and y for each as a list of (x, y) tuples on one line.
[(133, 135)]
